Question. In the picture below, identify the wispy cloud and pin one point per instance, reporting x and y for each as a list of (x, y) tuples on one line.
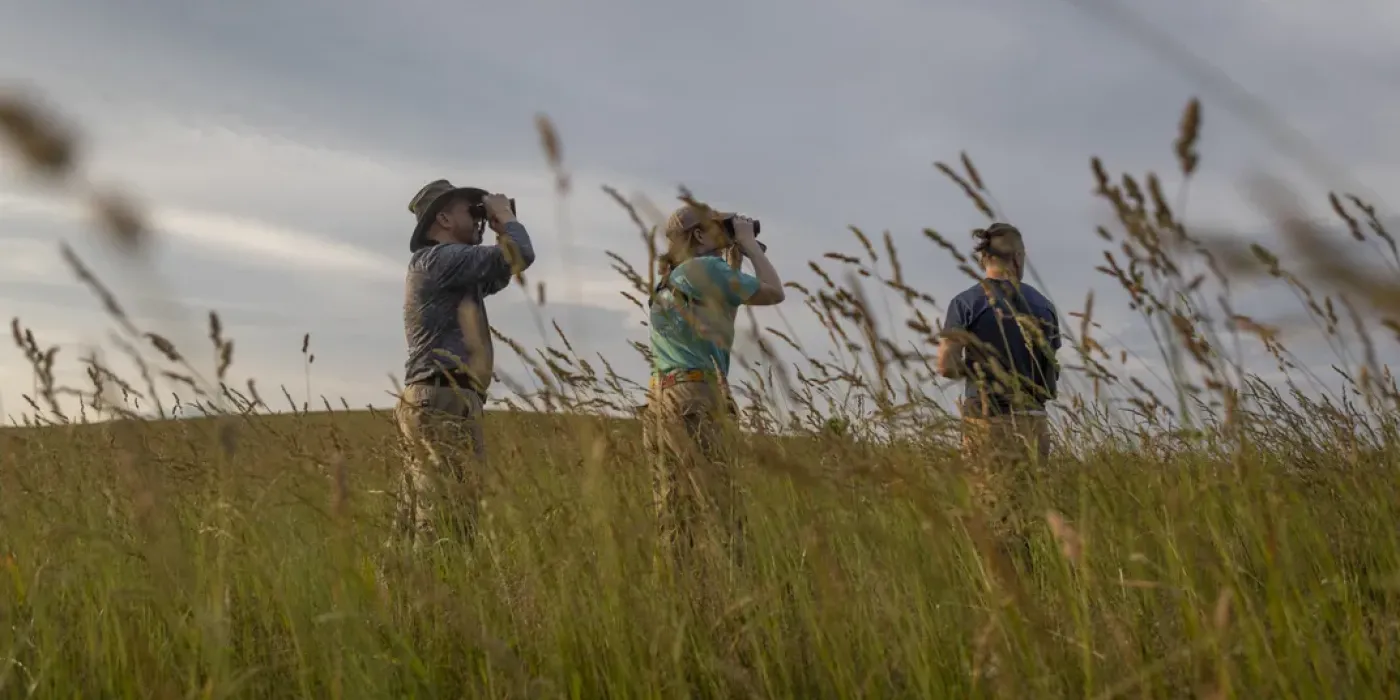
[(260, 242), (278, 143)]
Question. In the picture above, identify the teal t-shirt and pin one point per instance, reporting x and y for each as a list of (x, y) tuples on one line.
[(695, 330)]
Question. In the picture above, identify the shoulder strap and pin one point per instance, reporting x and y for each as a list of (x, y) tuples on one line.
[(1043, 362), (665, 283)]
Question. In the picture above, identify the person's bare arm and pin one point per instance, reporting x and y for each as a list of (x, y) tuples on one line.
[(952, 341), (950, 358), (770, 286)]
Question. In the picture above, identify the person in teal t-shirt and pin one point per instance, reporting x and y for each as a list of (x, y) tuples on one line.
[(692, 333), (702, 338)]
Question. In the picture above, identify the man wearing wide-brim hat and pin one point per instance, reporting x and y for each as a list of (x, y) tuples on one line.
[(450, 354)]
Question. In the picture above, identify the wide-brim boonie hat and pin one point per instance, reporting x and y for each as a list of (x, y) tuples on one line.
[(429, 201)]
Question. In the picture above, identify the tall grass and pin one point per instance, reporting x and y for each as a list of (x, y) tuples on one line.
[(1232, 538)]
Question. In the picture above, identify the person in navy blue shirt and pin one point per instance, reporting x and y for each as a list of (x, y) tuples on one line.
[(1000, 337)]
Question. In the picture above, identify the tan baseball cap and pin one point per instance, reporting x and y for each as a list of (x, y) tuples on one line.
[(692, 216)]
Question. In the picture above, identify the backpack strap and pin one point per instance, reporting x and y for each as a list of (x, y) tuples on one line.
[(666, 283), (1044, 364)]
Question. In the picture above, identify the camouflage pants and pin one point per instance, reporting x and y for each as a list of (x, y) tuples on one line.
[(1001, 451), (685, 430), (444, 458)]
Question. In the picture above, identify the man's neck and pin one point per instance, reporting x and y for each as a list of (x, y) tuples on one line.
[(444, 238)]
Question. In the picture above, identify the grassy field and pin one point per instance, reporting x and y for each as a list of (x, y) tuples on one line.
[(235, 557), (1236, 540)]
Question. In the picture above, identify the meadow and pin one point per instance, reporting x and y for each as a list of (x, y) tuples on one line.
[(1235, 539)]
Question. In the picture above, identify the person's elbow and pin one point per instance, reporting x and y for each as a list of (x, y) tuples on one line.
[(523, 249), (950, 361), (767, 295), (517, 257), (527, 256)]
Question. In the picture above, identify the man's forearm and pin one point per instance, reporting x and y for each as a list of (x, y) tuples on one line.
[(517, 238)]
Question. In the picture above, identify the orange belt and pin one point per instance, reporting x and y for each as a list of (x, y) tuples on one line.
[(670, 379)]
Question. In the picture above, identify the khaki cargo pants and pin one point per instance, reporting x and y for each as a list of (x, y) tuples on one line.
[(1001, 451), (444, 459), (686, 429)]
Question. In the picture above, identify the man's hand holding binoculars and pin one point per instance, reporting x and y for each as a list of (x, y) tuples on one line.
[(499, 211)]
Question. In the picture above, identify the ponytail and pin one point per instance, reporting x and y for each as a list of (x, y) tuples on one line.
[(999, 241)]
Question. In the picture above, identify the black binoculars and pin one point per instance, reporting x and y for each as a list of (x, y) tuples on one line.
[(729, 226), (478, 210)]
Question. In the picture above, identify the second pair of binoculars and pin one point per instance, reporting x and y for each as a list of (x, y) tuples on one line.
[(728, 223)]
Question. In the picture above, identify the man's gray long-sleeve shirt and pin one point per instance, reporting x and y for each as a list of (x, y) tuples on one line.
[(444, 314)]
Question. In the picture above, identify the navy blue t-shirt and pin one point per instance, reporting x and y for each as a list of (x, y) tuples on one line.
[(990, 314)]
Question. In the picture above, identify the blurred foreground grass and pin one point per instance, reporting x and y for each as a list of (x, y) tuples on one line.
[(164, 559)]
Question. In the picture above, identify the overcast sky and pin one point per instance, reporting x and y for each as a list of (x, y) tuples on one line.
[(279, 144)]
